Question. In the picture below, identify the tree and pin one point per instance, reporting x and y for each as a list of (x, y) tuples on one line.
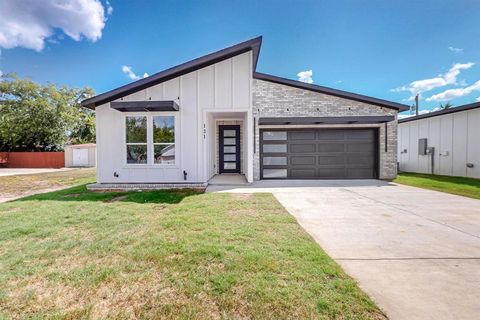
[(445, 106), (36, 117)]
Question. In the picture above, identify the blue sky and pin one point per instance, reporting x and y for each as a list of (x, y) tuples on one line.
[(375, 48)]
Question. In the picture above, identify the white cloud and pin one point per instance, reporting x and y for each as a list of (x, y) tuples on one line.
[(109, 8), (455, 93), (478, 99), (305, 76), (456, 50), (442, 80), (28, 23), (129, 72)]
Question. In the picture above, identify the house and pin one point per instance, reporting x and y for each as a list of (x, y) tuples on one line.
[(217, 114), (454, 135)]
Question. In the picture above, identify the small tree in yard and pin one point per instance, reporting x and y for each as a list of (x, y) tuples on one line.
[(36, 117)]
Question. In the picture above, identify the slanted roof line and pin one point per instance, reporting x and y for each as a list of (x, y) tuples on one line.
[(184, 68), (331, 91), (464, 107), (212, 58)]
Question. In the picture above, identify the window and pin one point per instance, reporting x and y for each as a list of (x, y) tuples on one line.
[(274, 173), (136, 130), (274, 135), (164, 139), (150, 139), (275, 148), (274, 161)]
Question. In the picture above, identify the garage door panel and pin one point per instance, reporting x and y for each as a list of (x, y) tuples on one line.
[(331, 135), (275, 148), (301, 135), (359, 160), (302, 148), (275, 161), (359, 134), (302, 173), (359, 173), (275, 173), (331, 173), (331, 147), (320, 154), (329, 160), (302, 160), (360, 147)]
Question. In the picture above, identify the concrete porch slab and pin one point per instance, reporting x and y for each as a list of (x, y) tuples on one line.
[(228, 179)]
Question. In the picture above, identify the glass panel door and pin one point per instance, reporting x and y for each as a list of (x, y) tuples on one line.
[(229, 149)]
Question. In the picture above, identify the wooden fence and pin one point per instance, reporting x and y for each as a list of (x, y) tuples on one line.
[(32, 159)]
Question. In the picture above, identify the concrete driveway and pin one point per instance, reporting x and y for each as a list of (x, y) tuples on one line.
[(415, 252)]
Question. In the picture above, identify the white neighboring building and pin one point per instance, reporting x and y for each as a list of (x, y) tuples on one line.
[(81, 155), (453, 133)]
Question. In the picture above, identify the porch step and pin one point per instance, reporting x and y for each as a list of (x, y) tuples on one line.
[(144, 186)]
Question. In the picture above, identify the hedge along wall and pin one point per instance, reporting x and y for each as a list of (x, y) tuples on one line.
[(33, 159)]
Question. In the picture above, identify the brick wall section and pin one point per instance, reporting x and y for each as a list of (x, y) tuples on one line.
[(278, 100)]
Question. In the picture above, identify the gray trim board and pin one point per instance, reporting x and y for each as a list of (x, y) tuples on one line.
[(134, 106), (331, 91), (442, 112), (187, 67), (325, 120)]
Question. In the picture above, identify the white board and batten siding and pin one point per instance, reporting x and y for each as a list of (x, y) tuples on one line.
[(455, 137), (225, 85)]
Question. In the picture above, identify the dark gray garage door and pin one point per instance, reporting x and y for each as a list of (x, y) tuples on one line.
[(318, 154)]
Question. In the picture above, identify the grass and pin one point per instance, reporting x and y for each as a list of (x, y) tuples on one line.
[(74, 254), (14, 186), (461, 186)]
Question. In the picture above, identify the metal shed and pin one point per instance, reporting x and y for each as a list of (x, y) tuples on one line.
[(452, 137)]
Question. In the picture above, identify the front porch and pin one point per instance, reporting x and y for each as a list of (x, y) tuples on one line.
[(229, 147)]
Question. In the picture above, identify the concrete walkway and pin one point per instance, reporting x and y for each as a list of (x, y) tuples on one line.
[(415, 252), (21, 171)]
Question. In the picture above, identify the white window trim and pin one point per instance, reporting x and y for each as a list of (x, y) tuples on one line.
[(150, 145)]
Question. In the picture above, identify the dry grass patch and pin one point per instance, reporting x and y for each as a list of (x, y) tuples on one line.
[(21, 185)]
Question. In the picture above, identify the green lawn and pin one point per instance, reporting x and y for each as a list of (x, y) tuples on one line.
[(467, 187), (74, 254)]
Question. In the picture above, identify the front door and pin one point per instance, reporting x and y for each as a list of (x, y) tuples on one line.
[(229, 149)]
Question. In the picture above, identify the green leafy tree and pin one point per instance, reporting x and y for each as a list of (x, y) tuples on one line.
[(36, 117)]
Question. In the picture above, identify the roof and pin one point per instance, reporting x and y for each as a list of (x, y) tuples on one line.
[(174, 72), (212, 58), (442, 112), (331, 91)]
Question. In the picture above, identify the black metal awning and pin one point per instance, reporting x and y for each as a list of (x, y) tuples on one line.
[(140, 106), (325, 120)]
